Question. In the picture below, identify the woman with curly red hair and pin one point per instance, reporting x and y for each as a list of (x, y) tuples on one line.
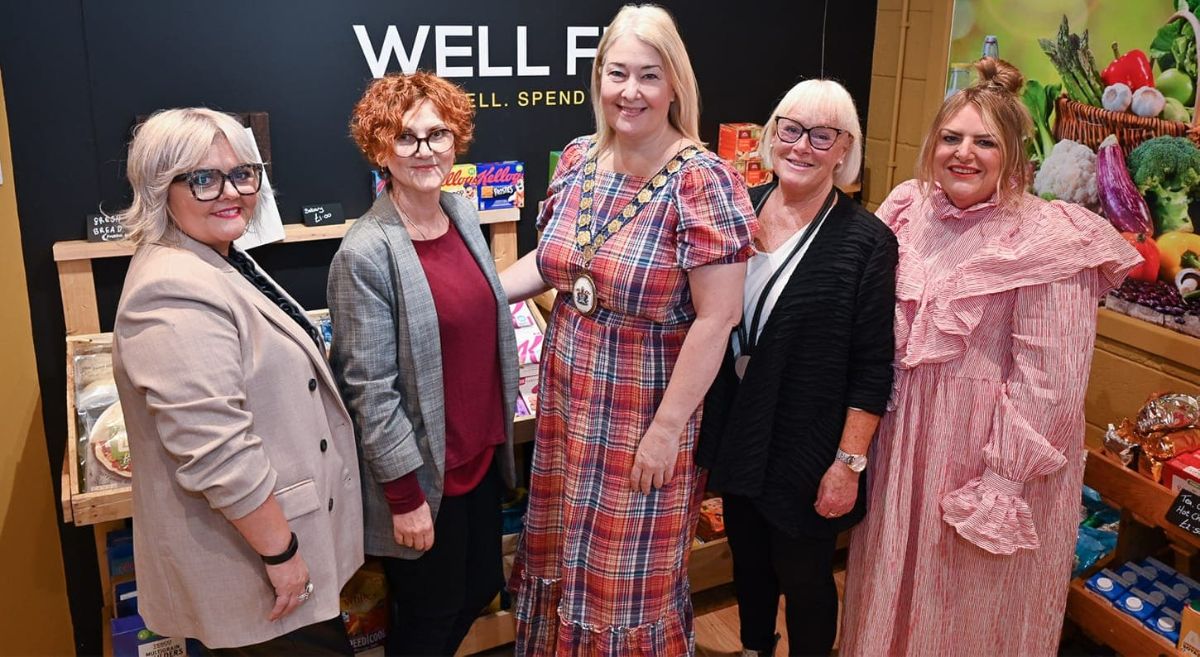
[(426, 359)]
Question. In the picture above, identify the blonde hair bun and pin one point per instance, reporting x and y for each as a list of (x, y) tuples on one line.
[(999, 75)]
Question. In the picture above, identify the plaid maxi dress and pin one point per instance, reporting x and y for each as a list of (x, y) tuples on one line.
[(602, 570)]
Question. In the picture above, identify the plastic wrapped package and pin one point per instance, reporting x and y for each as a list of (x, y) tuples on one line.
[(103, 446)]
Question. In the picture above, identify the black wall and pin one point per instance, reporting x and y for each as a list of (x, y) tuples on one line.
[(77, 72)]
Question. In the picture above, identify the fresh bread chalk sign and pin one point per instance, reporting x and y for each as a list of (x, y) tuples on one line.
[(103, 228), (1185, 510), (323, 214)]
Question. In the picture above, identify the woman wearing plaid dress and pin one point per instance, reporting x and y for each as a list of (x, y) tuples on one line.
[(645, 238)]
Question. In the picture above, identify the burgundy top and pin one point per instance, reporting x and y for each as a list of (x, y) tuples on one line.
[(466, 310)]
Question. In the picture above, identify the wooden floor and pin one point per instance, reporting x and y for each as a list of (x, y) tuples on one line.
[(717, 623)]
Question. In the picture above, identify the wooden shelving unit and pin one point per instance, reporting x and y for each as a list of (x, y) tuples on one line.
[(1144, 529)]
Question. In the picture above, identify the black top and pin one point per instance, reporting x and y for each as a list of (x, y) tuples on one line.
[(244, 266), (827, 346)]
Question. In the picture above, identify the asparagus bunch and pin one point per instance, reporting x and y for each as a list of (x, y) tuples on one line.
[(1073, 59)]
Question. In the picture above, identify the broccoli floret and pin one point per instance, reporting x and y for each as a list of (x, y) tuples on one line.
[(1167, 171)]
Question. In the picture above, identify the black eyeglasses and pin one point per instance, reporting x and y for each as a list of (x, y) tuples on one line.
[(821, 137), (438, 141), (208, 184)]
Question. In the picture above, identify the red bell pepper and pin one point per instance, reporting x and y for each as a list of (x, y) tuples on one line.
[(1133, 68), (1148, 270)]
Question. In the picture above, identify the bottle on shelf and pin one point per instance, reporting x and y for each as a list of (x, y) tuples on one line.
[(991, 47)]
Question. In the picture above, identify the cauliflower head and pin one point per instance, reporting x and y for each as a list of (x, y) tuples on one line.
[(1068, 174)]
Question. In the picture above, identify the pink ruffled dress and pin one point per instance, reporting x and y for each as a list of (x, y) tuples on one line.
[(975, 475)]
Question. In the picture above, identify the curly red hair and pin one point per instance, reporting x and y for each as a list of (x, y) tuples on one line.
[(377, 118)]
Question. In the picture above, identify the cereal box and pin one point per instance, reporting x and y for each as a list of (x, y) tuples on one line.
[(461, 180), (738, 140), (500, 185)]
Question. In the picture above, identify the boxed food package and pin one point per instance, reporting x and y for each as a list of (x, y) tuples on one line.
[(364, 603), (1189, 630), (752, 171), (738, 140), (461, 180), (489, 185), (711, 524), (130, 638)]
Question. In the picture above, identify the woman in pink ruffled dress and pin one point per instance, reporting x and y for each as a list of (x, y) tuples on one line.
[(974, 479)]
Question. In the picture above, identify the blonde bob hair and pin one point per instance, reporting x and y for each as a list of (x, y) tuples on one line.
[(169, 143), (819, 103), (995, 95), (653, 26)]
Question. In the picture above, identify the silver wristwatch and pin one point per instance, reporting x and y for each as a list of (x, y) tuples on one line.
[(856, 462)]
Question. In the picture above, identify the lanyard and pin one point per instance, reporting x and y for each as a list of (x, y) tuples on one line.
[(748, 341)]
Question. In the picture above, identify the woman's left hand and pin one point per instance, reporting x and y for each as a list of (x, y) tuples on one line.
[(838, 491), (654, 463)]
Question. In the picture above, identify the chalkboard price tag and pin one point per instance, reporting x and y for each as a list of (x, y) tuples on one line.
[(1185, 510), (104, 229), (322, 214)]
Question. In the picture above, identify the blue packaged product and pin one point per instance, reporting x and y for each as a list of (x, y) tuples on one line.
[(1165, 572), (1193, 585), (1165, 623), (1135, 575), (1126, 576), (1107, 585), (1175, 595), (1134, 606)]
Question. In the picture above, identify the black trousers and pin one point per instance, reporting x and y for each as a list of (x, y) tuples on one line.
[(324, 638), (437, 597), (766, 563)]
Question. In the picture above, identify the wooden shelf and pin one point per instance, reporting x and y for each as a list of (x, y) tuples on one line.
[(1132, 492), (1119, 631), (1156, 340), (84, 250)]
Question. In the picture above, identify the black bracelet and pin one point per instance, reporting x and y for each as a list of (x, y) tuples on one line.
[(285, 555)]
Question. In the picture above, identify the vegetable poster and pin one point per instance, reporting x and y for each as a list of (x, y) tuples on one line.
[(1111, 88)]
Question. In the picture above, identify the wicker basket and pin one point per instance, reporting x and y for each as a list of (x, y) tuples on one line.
[(1090, 125)]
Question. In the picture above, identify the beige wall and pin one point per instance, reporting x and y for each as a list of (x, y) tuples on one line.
[(904, 118), (34, 617)]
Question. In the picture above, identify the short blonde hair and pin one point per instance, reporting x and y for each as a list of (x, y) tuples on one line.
[(653, 26), (1005, 117), (169, 143), (819, 103)]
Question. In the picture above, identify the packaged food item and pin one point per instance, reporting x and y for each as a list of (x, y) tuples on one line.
[(461, 180), (130, 638), (1189, 630), (1165, 572), (1182, 468), (1165, 623), (500, 185), (1169, 412), (711, 525), (102, 446), (1136, 603), (752, 171), (364, 604), (1174, 595), (1123, 443), (1107, 585), (736, 141)]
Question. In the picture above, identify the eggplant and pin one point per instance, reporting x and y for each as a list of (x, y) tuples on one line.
[(1119, 198)]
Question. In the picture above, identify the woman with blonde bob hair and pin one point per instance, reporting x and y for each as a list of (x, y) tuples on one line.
[(978, 463), (790, 417), (248, 516), (645, 235)]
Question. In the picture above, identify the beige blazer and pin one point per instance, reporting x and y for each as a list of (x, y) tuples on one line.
[(226, 399)]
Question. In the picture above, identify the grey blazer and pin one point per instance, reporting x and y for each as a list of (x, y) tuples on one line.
[(387, 357), (227, 401)]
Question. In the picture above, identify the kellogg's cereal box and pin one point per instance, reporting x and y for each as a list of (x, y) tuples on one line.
[(500, 185), (461, 180)]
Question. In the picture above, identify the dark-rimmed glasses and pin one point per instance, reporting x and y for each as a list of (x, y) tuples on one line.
[(208, 184), (438, 141), (821, 137)]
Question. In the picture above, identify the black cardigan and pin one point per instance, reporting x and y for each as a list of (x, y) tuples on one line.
[(828, 345)]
